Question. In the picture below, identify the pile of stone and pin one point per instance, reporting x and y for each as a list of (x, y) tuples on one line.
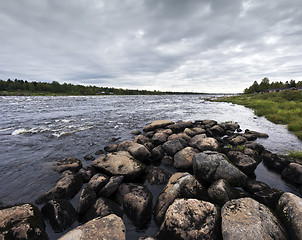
[(209, 192)]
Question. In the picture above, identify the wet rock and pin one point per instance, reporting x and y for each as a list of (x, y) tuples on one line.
[(167, 161), (221, 191), (180, 126), (209, 123), (111, 186), (190, 219), (157, 154), (138, 205), (268, 196), (232, 126), (244, 162), (257, 134), (99, 152), (141, 139), (157, 175), (246, 218), (290, 209), (87, 198), (159, 138), (66, 188), (157, 124), (140, 152), (124, 146), (198, 130), (89, 158), (111, 148), (101, 208), (253, 186), (196, 139), (72, 164), (22, 222), (180, 185), (60, 214), (147, 238), (98, 181), (218, 130), (108, 227), (183, 159), (87, 173), (136, 132), (237, 140), (253, 154), (182, 136), (119, 163), (255, 146), (293, 173), (190, 132), (172, 147), (274, 161), (211, 166), (208, 143)]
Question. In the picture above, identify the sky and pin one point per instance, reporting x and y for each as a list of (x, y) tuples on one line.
[(210, 46)]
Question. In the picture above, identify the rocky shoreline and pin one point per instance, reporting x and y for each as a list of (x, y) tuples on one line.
[(209, 191)]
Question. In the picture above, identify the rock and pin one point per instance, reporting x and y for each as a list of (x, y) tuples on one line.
[(110, 227), (136, 132), (268, 197), (157, 154), (98, 181), (119, 163), (253, 186), (208, 143), (124, 146), (237, 140), (290, 209), (87, 173), (197, 138), (87, 198), (139, 152), (159, 138), (141, 139), (60, 213), (257, 134), (166, 131), (180, 126), (198, 130), (217, 130), (111, 148), (232, 126), (72, 164), (190, 132), (172, 147), (147, 238), (99, 152), (211, 166), (167, 161), (157, 124), (180, 185), (246, 218), (255, 146), (111, 186), (66, 188), (89, 157), (101, 208), (293, 173), (182, 136), (221, 191), (190, 219), (209, 123), (183, 159), (22, 222), (274, 161), (244, 162), (157, 176), (253, 154), (138, 205)]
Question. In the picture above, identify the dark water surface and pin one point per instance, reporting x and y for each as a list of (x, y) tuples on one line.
[(35, 131)]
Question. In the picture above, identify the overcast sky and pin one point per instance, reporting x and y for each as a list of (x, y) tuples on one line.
[(178, 45)]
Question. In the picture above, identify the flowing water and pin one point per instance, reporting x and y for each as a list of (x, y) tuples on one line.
[(36, 131)]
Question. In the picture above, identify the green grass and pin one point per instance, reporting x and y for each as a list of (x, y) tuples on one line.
[(281, 108), (296, 154)]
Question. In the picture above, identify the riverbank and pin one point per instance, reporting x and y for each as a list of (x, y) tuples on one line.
[(281, 108), (172, 177)]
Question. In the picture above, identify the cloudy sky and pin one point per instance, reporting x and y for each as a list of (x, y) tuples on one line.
[(191, 45)]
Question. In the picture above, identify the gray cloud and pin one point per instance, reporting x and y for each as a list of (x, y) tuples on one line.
[(209, 46)]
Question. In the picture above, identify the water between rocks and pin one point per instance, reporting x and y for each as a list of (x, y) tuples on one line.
[(35, 131)]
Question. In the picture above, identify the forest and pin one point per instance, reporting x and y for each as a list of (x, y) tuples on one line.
[(266, 85), (21, 87)]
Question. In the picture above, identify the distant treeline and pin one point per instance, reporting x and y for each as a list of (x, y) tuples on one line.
[(21, 87), (265, 85)]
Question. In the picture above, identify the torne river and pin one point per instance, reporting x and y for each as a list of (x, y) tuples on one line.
[(35, 131)]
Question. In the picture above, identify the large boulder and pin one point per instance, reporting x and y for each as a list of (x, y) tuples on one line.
[(293, 173), (87, 198), (119, 163), (290, 209), (244, 162), (110, 227), (22, 222), (138, 205), (157, 124), (268, 197), (180, 126), (275, 161), (60, 213), (246, 219), (172, 147), (159, 138), (207, 143), (180, 185), (87, 173), (157, 154), (183, 159), (66, 188), (196, 139), (139, 152), (111, 186), (211, 166), (72, 164), (98, 181), (190, 219)]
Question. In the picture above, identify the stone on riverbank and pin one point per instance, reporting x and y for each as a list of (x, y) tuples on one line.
[(190, 219), (172, 147), (119, 163), (157, 124), (157, 175), (72, 164), (293, 173), (183, 158), (111, 186), (22, 222), (244, 162), (110, 227), (87, 198), (247, 219), (98, 181)]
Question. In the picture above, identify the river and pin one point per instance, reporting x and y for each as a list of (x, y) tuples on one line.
[(35, 131)]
